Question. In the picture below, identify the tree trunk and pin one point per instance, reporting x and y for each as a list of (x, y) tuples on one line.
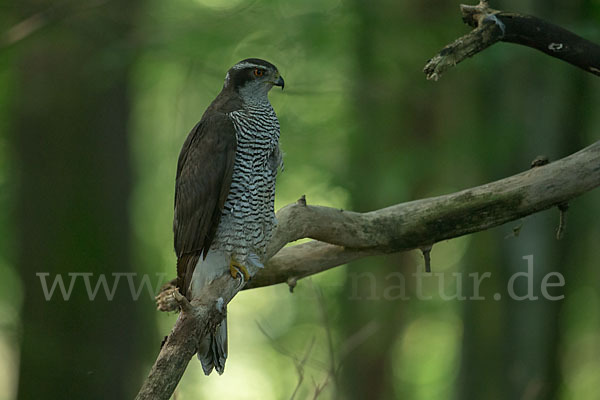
[(71, 111)]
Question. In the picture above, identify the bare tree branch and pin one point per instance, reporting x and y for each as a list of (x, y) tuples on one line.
[(53, 13), (299, 363), (342, 236), (492, 26), (195, 321)]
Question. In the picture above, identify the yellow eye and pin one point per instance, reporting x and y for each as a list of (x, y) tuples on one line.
[(258, 72)]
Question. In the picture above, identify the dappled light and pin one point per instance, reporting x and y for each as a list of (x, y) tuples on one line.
[(96, 103)]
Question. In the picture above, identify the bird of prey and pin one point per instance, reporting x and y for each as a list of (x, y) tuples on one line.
[(225, 189)]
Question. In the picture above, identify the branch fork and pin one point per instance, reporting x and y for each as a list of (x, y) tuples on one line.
[(492, 26), (343, 236)]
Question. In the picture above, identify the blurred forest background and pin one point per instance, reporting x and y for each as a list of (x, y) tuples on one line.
[(96, 99)]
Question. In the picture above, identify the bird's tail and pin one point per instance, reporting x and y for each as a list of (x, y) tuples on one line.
[(212, 351)]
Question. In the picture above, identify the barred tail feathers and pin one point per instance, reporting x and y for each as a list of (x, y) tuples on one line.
[(212, 351)]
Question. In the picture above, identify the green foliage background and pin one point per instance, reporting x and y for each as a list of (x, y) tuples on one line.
[(361, 129)]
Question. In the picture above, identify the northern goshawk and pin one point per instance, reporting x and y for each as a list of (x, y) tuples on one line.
[(225, 189)]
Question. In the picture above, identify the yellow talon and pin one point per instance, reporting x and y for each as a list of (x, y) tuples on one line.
[(235, 268)]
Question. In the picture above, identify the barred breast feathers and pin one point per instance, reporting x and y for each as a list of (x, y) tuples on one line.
[(248, 215)]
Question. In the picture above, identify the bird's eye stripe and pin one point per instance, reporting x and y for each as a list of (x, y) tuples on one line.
[(247, 65)]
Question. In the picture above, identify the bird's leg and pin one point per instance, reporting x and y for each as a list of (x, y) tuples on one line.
[(236, 268)]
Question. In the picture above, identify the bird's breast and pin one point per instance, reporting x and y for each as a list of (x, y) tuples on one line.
[(248, 216)]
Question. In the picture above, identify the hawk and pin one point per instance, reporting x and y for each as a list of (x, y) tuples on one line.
[(225, 190)]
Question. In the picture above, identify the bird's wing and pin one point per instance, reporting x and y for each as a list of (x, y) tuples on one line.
[(204, 173)]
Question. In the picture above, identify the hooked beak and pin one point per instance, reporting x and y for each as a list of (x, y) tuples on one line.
[(279, 82)]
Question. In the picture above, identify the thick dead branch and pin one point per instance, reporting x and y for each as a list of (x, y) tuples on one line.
[(195, 321), (492, 26), (343, 236)]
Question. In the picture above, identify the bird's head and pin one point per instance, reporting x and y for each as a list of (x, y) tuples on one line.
[(252, 78)]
